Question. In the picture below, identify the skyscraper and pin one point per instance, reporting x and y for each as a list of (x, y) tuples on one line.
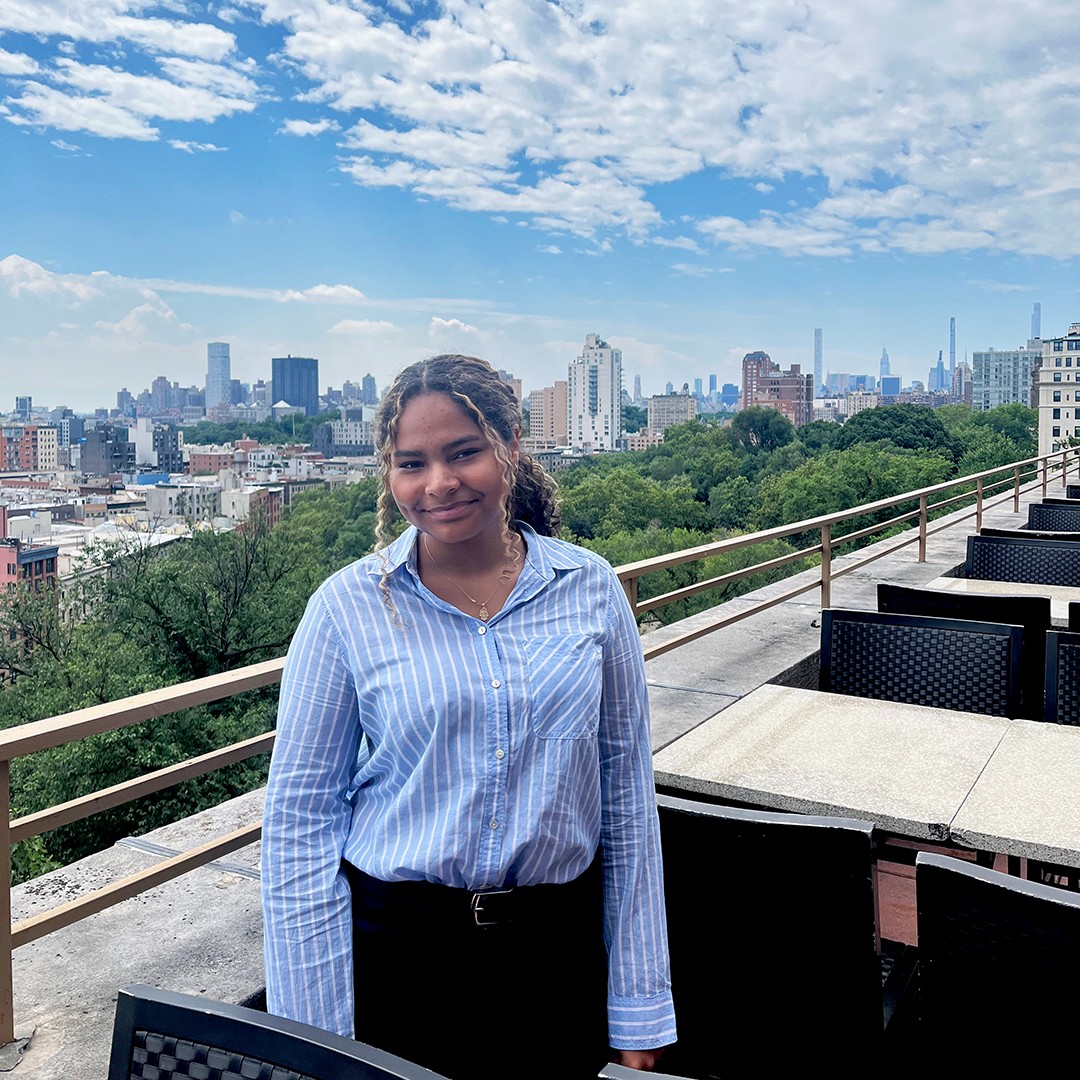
[(952, 345), (885, 368), (818, 373), (296, 382), (595, 379), (218, 374), (369, 394), (1036, 320)]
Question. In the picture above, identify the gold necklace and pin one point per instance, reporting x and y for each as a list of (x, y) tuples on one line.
[(483, 613)]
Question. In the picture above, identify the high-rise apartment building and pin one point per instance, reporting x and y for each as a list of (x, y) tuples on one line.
[(1004, 376), (549, 425), (218, 374), (295, 381), (789, 392), (885, 367), (819, 374), (1036, 320), (1059, 388), (369, 393), (952, 345), (595, 394)]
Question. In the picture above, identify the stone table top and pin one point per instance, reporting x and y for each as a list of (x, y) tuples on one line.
[(1027, 800), (1060, 595), (907, 768)]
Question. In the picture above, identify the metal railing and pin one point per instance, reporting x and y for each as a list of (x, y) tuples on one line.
[(61, 730)]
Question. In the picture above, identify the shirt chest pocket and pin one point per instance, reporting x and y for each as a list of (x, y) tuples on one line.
[(565, 683)]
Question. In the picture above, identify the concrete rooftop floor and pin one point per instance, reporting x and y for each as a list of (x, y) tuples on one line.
[(202, 933)]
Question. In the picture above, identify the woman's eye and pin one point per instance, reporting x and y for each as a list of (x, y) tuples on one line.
[(469, 452)]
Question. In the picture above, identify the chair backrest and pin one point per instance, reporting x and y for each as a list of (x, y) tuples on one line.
[(1074, 615), (1042, 562), (947, 663), (998, 956), (1054, 516), (768, 915), (1024, 533), (1032, 613), (1062, 691), (163, 1034), (1057, 500), (1072, 491)]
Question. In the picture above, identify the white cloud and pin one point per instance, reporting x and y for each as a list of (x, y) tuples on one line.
[(550, 249), (335, 294), (763, 187), (307, 127), (60, 144), (17, 63), (137, 324), (692, 269), (236, 217), (450, 326), (196, 147), (104, 21), (362, 326), (21, 277)]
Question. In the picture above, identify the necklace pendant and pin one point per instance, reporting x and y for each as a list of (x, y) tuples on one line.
[(484, 613)]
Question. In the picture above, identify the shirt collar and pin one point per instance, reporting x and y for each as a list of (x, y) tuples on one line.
[(544, 554)]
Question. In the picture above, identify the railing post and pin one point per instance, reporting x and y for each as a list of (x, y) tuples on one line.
[(1016, 489), (7, 1002), (1045, 467), (630, 588), (923, 502), (826, 566), (978, 503)]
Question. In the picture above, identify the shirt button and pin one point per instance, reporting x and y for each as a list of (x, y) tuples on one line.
[(495, 684), (494, 824), (500, 753), (481, 630)]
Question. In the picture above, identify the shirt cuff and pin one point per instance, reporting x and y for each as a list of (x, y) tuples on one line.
[(644, 1023)]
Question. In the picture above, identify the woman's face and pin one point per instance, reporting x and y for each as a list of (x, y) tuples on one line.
[(444, 475)]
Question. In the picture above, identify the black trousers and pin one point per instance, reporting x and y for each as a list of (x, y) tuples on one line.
[(524, 997)]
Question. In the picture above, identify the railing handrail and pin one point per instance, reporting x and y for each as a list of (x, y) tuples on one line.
[(60, 730)]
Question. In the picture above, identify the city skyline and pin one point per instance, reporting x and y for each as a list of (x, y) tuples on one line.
[(370, 185)]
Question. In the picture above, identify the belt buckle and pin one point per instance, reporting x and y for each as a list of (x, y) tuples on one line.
[(477, 906)]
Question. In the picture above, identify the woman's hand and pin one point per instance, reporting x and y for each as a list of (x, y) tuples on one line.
[(645, 1060)]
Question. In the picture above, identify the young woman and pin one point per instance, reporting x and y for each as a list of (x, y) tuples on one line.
[(460, 849)]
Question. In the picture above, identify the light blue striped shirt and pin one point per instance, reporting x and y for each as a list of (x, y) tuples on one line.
[(470, 754)]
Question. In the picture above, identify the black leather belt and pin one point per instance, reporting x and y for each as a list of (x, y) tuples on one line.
[(484, 907)]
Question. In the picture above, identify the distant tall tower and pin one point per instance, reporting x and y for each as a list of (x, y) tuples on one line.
[(369, 393), (952, 344), (712, 385), (637, 389), (295, 381), (218, 374), (1036, 320), (817, 363), (885, 368)]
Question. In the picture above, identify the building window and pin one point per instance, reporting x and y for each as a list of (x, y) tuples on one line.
[(1057, 415), (1057, 395), (1056, 432), (1057, 346), (1057, 376)]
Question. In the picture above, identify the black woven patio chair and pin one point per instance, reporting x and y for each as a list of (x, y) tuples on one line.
[(1053, 517), (1030, 612), (1062, 693), (946, 663), (769, 914), (1072, 491), (1042, 562), (998, 959), (161, 1035)]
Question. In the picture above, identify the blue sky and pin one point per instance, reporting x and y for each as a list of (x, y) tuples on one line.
[(371, 183)]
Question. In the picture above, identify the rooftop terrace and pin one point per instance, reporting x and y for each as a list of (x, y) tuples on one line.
[(202, 933)]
